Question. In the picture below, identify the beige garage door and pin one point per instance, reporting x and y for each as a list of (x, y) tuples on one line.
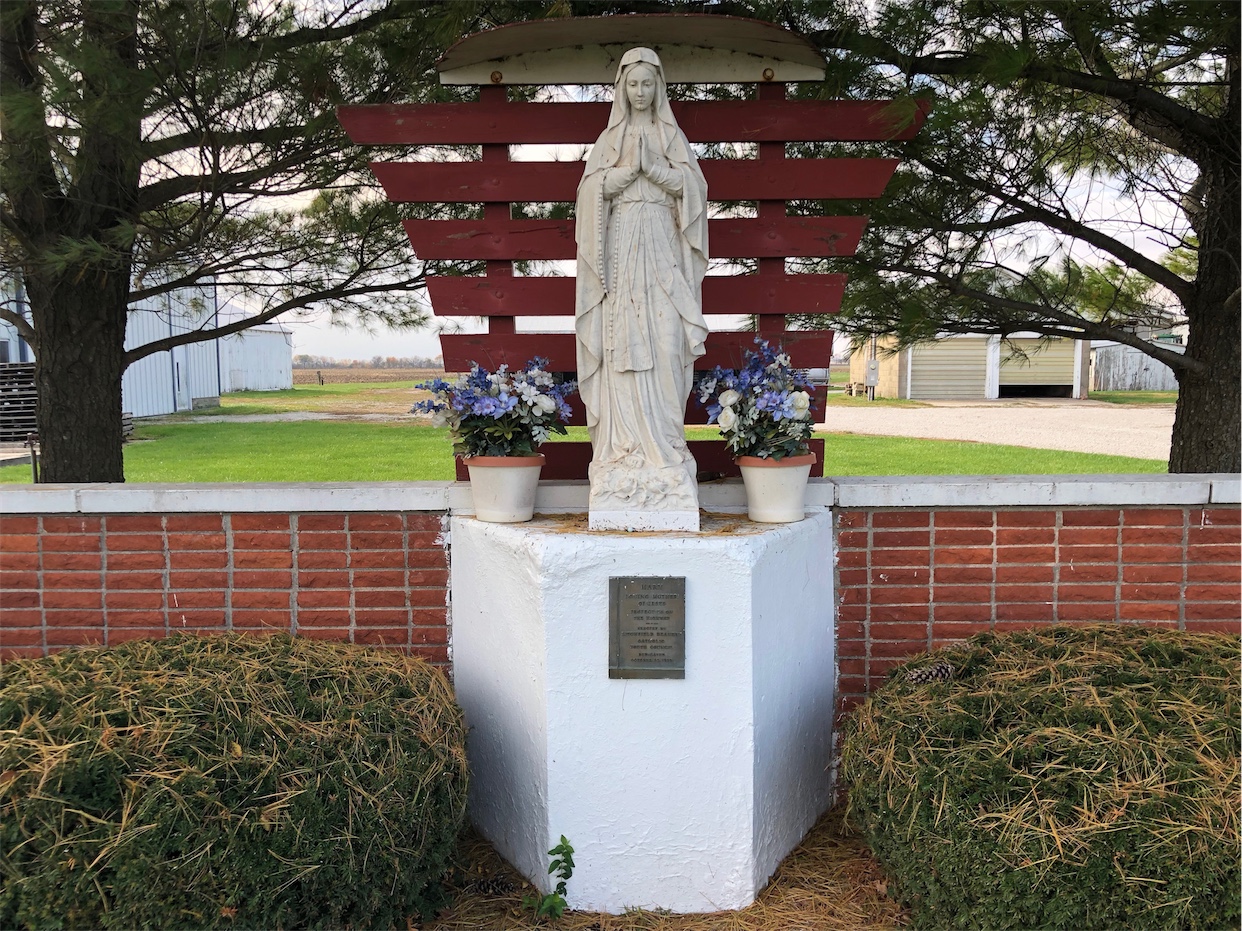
[(1051, 364), (952, 368)]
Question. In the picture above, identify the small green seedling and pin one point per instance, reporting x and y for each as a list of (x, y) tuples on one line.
[(562, 865)]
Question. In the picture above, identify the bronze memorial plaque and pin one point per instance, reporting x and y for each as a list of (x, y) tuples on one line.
[(647, 627)]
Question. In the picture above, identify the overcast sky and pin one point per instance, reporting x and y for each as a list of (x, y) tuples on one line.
[(317, 337)]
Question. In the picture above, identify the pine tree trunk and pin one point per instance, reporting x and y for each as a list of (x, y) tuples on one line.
[(1206, 434), (78, 366), (77, 273), (1207, 431)]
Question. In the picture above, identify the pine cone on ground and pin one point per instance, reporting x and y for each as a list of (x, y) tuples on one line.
[(939, 671)]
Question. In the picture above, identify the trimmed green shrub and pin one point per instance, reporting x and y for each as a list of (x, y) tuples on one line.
[(1071, 777), (226, 781)]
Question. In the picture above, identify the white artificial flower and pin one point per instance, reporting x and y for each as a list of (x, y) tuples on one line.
[(545, 404), (727, 419), (729, 398), (800, 401), (783, 360)]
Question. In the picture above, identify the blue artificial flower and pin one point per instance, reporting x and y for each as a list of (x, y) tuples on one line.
[(761, 420), (528, 401)]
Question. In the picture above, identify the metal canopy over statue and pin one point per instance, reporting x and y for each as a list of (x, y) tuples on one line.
[(642, 254)]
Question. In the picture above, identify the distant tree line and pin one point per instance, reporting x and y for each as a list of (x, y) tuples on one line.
[(304, 361)]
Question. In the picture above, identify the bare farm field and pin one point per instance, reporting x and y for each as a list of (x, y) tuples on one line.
[(353, 376), (360, 399)]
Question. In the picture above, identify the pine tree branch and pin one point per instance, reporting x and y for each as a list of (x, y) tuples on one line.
[(317, 35), (1071, 322), (339, 293), (23, 327), (1132, 258), (167, 190), (215, 140), (1085, 40), (28, 175), (105, 172), (1152, 113), (18, 232)]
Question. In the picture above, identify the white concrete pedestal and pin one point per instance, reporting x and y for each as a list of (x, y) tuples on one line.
[(682, 794)]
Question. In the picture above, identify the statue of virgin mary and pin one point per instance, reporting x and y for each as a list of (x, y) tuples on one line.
[(642, 253)]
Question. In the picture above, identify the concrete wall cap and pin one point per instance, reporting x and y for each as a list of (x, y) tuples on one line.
[(921, 491)]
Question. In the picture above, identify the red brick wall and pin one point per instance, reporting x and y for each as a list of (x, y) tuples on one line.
[(910, 580), (367, 578)]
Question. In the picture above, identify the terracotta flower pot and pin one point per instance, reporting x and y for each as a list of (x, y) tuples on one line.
[(776, 488), (504, 487)]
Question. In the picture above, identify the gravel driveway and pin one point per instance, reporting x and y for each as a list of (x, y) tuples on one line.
[(1142, 431)]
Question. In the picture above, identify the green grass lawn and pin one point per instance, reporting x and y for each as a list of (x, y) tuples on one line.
[(841, 399), (341, 451), (1135, 397)]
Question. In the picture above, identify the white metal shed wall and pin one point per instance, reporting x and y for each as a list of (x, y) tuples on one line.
[(258, 359), (147, 386), (9, 351), (1124, 368), (165, 382), (950, 368), (14, 348)]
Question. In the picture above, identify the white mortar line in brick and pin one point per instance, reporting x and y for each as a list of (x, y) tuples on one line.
[(103, 582), (349, 574), (1056, 565), (1181, 591), (39, 534), (1121, 567), (167, 574), (405, 558), (226, 524), (295, 552), (995, 562), (870, 601), (932, 602)]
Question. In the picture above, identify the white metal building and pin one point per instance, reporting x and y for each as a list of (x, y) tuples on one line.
[(189, 376), (12, 347), (257, 359), (183, 378), (1115, 367)]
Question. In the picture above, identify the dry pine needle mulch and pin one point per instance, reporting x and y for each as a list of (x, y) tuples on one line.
[(828, 883)]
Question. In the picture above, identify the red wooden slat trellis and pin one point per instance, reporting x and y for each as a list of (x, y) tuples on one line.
[(740, 179), (807, 348), (497, 240), (702, 121), (476, 296), (734, 238)]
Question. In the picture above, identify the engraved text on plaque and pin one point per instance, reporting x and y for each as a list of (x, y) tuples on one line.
[(647, 627)]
